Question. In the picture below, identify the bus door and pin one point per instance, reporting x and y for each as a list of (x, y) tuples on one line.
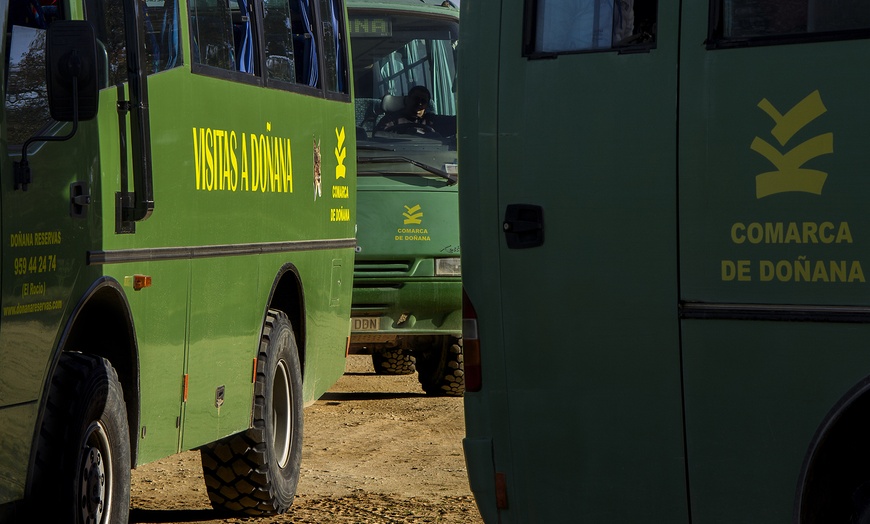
[(587, 188), (773, 222), (45, 207)]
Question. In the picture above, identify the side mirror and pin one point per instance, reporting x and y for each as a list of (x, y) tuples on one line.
[(71, 77), (71, 70)]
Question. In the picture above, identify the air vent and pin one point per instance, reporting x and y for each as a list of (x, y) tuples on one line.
[(381, 268)]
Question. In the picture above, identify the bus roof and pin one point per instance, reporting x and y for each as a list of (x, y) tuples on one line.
[(424, 5)]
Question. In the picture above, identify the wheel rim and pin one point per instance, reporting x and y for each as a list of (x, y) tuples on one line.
[(95, 475), (282, 422)]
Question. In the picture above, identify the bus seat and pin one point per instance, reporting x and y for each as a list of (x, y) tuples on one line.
[(392, 103), (27, 13), (367, 111)]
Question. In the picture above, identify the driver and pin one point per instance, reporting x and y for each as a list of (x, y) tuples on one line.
[(415, 111)]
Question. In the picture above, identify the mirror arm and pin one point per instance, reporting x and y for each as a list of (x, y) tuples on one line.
[(22, 169)]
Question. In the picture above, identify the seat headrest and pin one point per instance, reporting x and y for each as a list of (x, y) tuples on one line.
[(392, 103)]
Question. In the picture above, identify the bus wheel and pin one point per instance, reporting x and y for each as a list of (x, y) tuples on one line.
[(441, 369), (82, 466), (256, 472), (394, 361)]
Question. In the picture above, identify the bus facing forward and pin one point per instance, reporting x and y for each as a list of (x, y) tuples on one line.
[(407, 292), (178, 200), (665, 260)]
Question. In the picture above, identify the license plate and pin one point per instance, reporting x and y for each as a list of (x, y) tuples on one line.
[(365, 324)]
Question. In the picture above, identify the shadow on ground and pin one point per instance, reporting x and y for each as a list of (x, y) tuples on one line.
[(168, 516), (367, 395)]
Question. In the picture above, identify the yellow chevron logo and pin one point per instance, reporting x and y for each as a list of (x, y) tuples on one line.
[(789, 175), (413, 215), (340, 153)]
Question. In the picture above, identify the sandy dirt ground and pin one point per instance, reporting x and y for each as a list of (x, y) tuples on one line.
[(376, 450)]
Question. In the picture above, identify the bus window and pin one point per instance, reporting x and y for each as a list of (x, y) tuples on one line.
[(560, 26), (211, 31), (330, 12), (291, 43), (26, 95), (162, 34), (280, 59), (107, 16), (761, 18), (395, 53), (162, 43), (26, 101)]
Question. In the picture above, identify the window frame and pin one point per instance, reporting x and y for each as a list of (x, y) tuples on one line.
[(256, 10), (717, 40), (344, 74), (530, 19), (198, 68)]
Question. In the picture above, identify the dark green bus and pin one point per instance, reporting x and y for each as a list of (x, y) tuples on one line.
[(407, 294), (664, 227)]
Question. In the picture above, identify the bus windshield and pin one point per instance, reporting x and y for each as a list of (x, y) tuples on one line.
[(404, 70)]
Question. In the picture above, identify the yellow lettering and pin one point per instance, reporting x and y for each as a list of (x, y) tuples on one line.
[(773, 232), (844, 234), (340, 192), (262, 176), (765, 268), (856, 273), (825, 232), (810, 229), (255, 163), (245, 178), (197, 166), (263, 164), (289, 171), (339, 215), (234, 161), (738, 233)]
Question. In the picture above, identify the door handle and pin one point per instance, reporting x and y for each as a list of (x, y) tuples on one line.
[(79, 199), (523, 226)]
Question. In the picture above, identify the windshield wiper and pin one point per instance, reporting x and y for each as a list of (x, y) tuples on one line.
[(452, 179), (365, 147)]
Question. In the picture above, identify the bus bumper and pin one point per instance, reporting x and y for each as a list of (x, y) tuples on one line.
[(384, 312)]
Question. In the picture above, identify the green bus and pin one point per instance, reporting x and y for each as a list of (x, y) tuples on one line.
[(664, 231), (407, 289), (177, 207)]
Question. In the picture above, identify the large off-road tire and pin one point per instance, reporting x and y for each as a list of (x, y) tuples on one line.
[(82, 464), (394, 361), (256, 472), (441, 369)]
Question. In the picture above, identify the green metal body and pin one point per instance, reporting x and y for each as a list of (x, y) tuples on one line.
[(237, 228), (689, 333), (408, 217)]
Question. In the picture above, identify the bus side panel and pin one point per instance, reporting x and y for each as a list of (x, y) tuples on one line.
[(773, 172), (243, 175), (16, 433), (755, 394), (773, 192), (159, 318), (590, 344), (225, 326), (327, 283), (486, 411)]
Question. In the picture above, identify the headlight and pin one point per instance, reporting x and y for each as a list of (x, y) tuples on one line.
[(448, 267)]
